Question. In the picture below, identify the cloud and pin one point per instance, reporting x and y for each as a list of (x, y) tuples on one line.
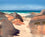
[(21, 7)]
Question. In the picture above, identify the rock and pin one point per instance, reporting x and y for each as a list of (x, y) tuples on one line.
[(38, 22), (7, 27), (17, 22), (2, 13), (42, 12), (37, 26), (9, 17), (16, 16)]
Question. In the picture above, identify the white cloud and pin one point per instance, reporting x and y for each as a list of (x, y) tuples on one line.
[(21, 7)]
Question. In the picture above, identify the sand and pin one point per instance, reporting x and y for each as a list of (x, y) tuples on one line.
[(24, 30)]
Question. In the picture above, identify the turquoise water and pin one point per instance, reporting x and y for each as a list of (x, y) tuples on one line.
[(20, 11)]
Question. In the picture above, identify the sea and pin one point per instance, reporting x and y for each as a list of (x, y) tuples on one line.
[(20, 11)]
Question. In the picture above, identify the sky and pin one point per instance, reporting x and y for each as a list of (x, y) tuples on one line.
[(22, 4)]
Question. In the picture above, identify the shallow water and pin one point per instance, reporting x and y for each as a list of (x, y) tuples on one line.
[(20, 11)]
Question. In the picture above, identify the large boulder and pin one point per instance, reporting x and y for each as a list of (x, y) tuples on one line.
[(2, 13), (16, 16), (42, 12), (7, 27), (37, 25)]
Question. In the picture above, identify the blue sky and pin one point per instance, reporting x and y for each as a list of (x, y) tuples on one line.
[(22, 4)]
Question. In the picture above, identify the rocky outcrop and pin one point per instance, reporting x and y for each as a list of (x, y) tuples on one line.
[(2, 13), (16, 16), (7, 27), (42, 12), (37, 23)]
